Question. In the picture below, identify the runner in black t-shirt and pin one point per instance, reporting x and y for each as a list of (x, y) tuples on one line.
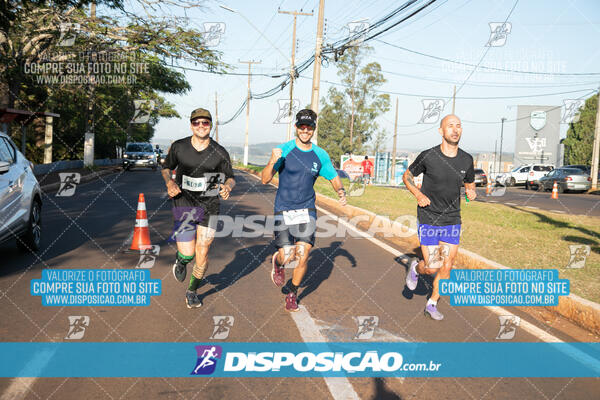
[(203, 174), (445, 169)]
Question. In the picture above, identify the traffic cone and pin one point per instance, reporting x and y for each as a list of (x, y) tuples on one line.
[(555, 191), (141, 234), (488, 188)]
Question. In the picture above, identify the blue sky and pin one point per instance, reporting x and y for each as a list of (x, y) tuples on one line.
[(546, 36)]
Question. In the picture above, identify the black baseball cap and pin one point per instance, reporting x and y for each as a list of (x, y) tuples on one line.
[(306, 117), (200, 113)]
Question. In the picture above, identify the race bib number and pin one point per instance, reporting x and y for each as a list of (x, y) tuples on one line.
[(193, 184), (295, 217), (209, 183)]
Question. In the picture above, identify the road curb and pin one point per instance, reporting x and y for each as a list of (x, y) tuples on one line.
[(582, 312), (85, 178)]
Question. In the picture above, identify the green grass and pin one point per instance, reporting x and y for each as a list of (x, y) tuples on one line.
[(513, 236)]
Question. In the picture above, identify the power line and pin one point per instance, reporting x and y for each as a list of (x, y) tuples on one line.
[(462, 97), (491, 68)]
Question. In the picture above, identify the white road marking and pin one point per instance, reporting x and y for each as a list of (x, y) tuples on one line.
[(511, 204), (19, 387), (340, 388)]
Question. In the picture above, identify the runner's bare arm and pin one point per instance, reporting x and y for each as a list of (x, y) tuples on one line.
[(337, 185), (268, 172), (409, 181), (226, 188), (470, 191), (172, 187)]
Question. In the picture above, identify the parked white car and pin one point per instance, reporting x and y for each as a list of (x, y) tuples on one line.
[(527, 175), (20, 198)]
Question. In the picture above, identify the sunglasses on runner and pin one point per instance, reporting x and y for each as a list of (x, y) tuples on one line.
[(306, 128), (202, 122)]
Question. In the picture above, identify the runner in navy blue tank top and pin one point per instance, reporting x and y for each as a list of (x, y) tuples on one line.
[(299, 163)]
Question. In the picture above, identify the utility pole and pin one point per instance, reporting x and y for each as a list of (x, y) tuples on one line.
[(454, 100), (216, 119), (494, 163), (501, 137), (316, 82), (352, 116), (596, 150), (292, 67), (248, 108), (394, 147)]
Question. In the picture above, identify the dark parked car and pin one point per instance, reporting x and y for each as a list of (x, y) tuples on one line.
[(566, 179), (480, 177)]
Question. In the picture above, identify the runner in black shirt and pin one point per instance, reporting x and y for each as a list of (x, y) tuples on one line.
[(445, 169), (203, 174)]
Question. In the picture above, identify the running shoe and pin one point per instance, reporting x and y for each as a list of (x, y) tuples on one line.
[(179, 270), (432, 311), (412, 278), (277, 273), (192, 300), (291, 302)]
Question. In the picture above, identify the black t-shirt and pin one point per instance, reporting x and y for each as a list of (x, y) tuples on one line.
[(442, 179), (198, 172)]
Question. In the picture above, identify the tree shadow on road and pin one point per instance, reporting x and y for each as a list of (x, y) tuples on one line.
[(320, 266)]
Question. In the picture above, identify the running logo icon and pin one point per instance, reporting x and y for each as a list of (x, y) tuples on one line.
[(207, 359), (213, 32), (148, 257), (143, 108), (432, 110), (223, 324), (571, 111), (508, 326), (499, 33), (68, 183), (77, 325), (579, 253), (68, 34), (437, 254), (357, 32), (366, 326), (283, 114), (356, 188)]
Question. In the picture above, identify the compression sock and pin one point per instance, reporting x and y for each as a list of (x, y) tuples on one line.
[(184, 259), (194, 284)]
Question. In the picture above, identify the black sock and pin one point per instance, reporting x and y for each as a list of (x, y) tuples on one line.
[(293, 287)]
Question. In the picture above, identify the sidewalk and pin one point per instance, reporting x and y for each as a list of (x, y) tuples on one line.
[(51, 180)]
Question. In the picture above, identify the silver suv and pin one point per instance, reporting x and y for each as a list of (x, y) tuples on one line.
[(139, 155), (20, 198)]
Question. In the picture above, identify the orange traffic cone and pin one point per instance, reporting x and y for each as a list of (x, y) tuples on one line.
[(141, 234), (488, 188), (554, 191)]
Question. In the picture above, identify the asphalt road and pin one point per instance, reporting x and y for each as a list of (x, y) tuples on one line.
[(567, 203), (347, 277)]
